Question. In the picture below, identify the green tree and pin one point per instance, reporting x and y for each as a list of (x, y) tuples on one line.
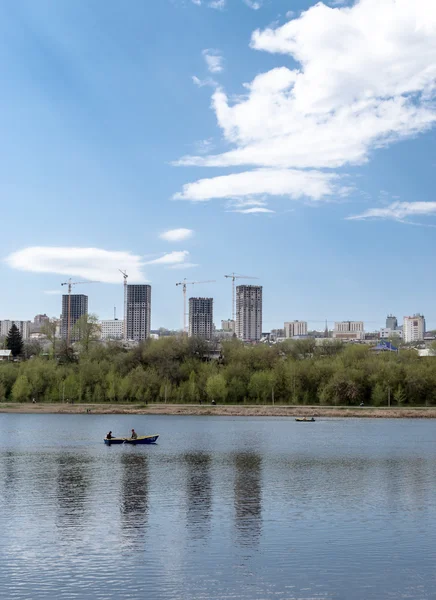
[(14, 341), (216, 388), (21, 390), (261, 385), (86, 330)]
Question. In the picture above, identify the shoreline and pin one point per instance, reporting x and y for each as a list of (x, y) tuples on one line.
[(222, 410)]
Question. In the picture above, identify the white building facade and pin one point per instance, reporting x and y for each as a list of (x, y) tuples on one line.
[(23, 328), (349, 330), (413, 328), (295, 328), (386, 333), (249, 312), (112, 329)]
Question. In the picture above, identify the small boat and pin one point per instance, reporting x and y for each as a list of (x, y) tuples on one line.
[(305, 419), (141, 439)]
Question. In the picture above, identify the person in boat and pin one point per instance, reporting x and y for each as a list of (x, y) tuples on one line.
[(109, 436), (134, 435)]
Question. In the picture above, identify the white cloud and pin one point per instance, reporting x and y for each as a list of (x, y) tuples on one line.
[(254, 4), (204, 82), (290, 14), (398, 211), (85, 263), (313, 185), (217, 4), (170, 258), (197, 2), (254, 210), (176, 235), (214, 60), (186, 265), (366, 78), (53, 292)]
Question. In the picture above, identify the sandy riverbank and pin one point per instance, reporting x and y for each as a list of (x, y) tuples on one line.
[(224, 410)]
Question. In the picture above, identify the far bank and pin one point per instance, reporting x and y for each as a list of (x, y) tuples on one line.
[(221, 410)]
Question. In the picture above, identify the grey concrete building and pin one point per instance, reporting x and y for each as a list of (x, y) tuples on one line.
[(391, 322), (201, 317), (78, 308), (249, 312), (138, 310)]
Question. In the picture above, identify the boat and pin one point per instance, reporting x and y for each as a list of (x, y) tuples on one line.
[(305, 419), (141, 439)]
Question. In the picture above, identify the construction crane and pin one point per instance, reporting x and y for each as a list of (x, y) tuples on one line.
[(184, 283), (234, 276), (124, 274), (70, 283)]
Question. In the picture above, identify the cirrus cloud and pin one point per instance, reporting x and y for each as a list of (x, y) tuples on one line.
[(92, 264), (398, 211)]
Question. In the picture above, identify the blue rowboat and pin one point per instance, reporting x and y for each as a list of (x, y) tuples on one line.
[(141, 439)]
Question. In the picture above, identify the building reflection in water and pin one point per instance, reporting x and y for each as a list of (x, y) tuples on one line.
[(248, 497), (199, 493), (73, 480), (134, 493)]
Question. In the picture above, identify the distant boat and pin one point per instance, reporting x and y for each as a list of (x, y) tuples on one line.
[(141, 439), (305, 419)]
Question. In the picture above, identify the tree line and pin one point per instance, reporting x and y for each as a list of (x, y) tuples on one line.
[(180, 369)]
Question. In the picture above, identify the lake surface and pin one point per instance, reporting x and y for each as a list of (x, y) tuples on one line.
[(221, 508)]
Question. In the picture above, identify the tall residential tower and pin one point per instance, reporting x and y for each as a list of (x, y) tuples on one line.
[(77, 306), (249, 312), (201, 317), (138, 315)]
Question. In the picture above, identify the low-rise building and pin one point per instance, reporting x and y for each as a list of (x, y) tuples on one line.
[(112, 329), (5, 355), (295, 329), (228, 325), (349, 330), (386, 333)]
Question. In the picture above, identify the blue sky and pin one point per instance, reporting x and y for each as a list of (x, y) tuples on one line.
[(289, 141)]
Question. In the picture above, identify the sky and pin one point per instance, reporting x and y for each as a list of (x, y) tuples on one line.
[(286, 140)]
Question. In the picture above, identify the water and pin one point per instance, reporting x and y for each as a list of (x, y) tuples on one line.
[(221, 508)]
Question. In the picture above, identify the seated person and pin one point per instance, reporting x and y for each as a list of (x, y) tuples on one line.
[(133, 436), (109, 436)]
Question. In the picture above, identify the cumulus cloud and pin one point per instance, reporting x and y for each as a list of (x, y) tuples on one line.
[(398, 211), (84, 263), (312, 185), (214, 60), (366, 78), (170, 258), (176, 235)]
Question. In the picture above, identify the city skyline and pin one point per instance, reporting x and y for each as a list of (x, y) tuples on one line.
[(163, 167)]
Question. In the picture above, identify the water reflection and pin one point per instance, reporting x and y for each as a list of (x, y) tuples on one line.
[(248, 497), (72, 490), (199, 493), (134, 492)]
